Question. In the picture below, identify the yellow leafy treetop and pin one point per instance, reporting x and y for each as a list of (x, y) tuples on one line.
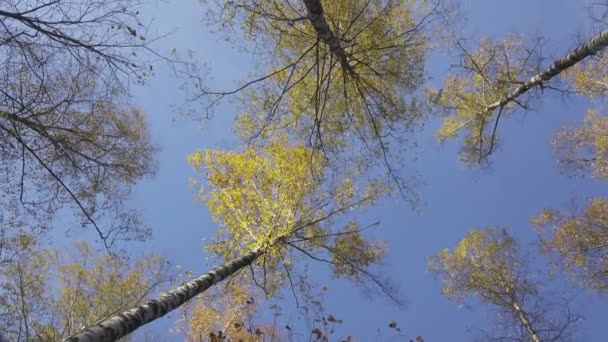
[(580, 242), (590, 77), (584, 149), (314, 95), (484, 263), (278, 198), (357, 103), (485, 76), (258, 196)]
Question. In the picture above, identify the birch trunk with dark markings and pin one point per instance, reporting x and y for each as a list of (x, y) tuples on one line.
[(523, 318), (587, 49), (125, 323), (318, 22), (477, 121)]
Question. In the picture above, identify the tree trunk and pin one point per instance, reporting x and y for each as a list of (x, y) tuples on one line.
[(588, 48), (324, 32), (123, 324), (523, 318)]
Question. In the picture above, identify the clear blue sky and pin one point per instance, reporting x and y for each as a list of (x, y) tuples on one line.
[(523, 180)]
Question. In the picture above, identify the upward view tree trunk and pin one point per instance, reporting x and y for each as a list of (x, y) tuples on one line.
[(587, 49), (317, 20), (481, 120), (523, 318), (125, 323)]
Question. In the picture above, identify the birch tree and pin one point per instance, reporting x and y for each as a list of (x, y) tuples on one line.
[(590, 76), (48, 295), (69, 135), (273, 210), (486, 264), (580, 242), (491, 82), (339, 76), (221, 313), (583, 150)]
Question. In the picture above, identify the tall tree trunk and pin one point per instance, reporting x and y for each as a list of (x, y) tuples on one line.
[(324, 32), (523, 318), (125, 323), (588, 48)]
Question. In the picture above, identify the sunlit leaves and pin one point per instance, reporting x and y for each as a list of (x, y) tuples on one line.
[(584, 150), (329, 104), (489, 265), (279, 199), (484, 263), (580, 241), (590, 78), (484, 77), (259, 196), (354, 97), (52, 294), (345, 192)]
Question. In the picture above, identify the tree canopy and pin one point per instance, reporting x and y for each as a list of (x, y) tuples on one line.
[(301, 180), (50, 294)]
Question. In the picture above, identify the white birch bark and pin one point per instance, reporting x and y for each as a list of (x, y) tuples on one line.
[(125, 323), (523, 318), (317, 19), (587, 49)]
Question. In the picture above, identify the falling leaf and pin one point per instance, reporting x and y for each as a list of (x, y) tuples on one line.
[(317, 332), (333, 319), (132, 31)]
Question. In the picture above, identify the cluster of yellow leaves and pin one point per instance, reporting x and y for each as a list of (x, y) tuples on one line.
[(275, 198), (313, 113), (590, 77), (487, 75), (52, 294), (485, 263), (584, 149), (259, 195), (351, 253), (580, 241)]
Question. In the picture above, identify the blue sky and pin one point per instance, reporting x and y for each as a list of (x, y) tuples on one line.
[(524, 177)]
